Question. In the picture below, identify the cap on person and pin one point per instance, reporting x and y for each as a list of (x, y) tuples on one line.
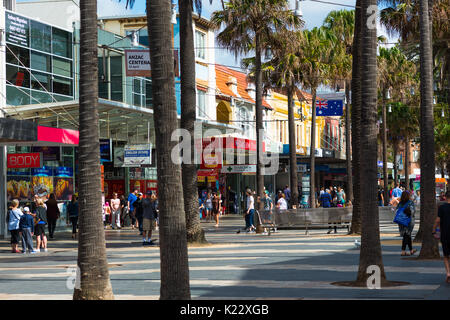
[(140, 193), (267, 191), (26, 209)]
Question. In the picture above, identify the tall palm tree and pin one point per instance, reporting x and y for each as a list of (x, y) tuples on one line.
[(248, 26), (356, 119), (430, 248), (370, 252), (173, 242), (93, 266), (195, 233), (315, 56), (342, 24)]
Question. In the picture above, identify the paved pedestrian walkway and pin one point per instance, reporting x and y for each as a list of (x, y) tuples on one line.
[(285, 265)]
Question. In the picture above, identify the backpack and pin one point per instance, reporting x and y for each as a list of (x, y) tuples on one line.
[(401, 216)]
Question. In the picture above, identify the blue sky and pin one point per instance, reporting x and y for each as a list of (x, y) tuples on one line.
[(314, 14)]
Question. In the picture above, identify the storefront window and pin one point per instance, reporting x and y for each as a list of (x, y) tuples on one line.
[(17, 76), (62, 43), (62, 86), (62, 67), (40, 36), (18, 56), (16, 96), (41, 81), (41, 61), (40, 97)]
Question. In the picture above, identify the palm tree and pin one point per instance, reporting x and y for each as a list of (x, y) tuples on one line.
[(370, 253), (248, 26), (315, 55), (173, 247), (195, 233), (342, 24), (356, 119), (93, 266), (430, 248)]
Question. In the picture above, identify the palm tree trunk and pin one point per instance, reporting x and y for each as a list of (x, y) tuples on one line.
[(93, 266), (356, 121), (348, 154), (195, 233), (172, 219), (430, 247), (312, 181), (292, 147), (259, 131), (385, 169), (370, 254)]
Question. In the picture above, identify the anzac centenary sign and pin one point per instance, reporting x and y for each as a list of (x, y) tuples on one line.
[(138, 63)]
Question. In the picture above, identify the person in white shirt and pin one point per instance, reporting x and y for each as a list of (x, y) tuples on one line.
[(281, 203), (250, 212), (115, 210)]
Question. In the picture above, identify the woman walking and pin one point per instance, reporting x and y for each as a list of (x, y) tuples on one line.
[(208, 207), (52, 214), (216, 208), (39, 230), (115, 209), (14, 215), (405, 231), (73, 215)]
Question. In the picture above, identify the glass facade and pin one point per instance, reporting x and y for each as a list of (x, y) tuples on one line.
[(142, 92), (39, 65)]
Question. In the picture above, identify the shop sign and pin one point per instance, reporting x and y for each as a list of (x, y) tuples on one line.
[(42, 172), (105, 150), (25, 160), (245, 168), (327, 153), (138, 63), (137, 154), (118, 156), (17, 29), (63, 172)]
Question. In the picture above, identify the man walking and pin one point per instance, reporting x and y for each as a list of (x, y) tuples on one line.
[(442, 225), (131, 200), (287, 195), (115, 210), (149, 216)]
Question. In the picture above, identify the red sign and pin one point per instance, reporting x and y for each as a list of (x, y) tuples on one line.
[(25, 160)]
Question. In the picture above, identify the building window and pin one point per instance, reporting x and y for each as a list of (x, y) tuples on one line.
[(142, 92), (41, 61), (116, 78), (41, 36), (416, 156), (201, 103), (61, 43), (200, 43)]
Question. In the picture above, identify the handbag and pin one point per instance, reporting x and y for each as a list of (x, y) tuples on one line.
[(401, 217)]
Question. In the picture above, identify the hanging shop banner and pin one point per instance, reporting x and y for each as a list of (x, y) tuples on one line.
[(201, 178), (17, 29), (138, 63), (137, 154), (18, 188), (25, 160), (105, 150), (244, 168), (63, 172), (118, 156), (42, 172)]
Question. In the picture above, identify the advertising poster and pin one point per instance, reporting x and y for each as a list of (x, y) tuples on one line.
[(138, 63), (17, 29), (18, 188), (105, 150), (42, 186), (63, 188), (152, 185), (118, 156), (137, 184)]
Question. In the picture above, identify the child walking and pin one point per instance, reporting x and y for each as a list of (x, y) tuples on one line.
[(27, 226)]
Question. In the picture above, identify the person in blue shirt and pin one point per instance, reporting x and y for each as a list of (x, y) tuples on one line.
[(397, 192), (26, 225), (287, 194), (132, 199), (325, 199)]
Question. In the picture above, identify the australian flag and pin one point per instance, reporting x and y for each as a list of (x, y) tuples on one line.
[(329, 108)]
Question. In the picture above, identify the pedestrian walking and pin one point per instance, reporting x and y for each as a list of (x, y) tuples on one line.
[(216, 208), (13, 218), (208, 206), (282, 202), (287, 194), (106, 214), (115, 211), (138, 212), (131, 200), (442, 230), (340, 197), (148, 217), (380, 197), (123, 211), (27, 228), (39, 228), (408, 208), (53, 214), (72, 208), (250, 212), (325, 199)]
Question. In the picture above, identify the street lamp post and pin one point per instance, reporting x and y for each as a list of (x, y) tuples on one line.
[(386, 96)]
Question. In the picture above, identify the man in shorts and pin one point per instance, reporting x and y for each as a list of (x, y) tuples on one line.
[(443, 223)]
